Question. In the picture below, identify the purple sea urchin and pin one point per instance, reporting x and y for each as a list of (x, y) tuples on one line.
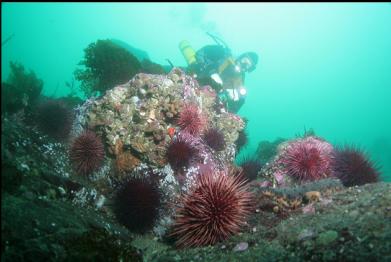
[(137, 203), (250, 167), (214, 138), (54, 119), (183, 150), (87, 153), (353, 167)]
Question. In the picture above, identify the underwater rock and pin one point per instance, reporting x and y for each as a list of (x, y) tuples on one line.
[(309, 209), (141, 116), (329, 234), (11, 178), (45, 229), (242, 246), (327, 237), (306, 234)]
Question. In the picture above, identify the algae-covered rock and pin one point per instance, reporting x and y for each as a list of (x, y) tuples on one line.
[(137, 122), (348, 225), (327, 238), (53, 229)]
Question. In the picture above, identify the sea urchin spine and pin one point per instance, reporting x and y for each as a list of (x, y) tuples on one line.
[(191, 120), (137, 203), (251, 167), (353, 167), (213, 209), (214, 138), (54, 119), (183, 150), (87, 153), (307, 159)]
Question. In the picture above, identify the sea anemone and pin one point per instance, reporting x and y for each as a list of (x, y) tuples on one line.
[(87, 153), (307, 159), (353, 167), (214, 138), (54, 119), (242, 140), (137, 204), (191, 120), (250, 167), (214, 208), (183, 150)]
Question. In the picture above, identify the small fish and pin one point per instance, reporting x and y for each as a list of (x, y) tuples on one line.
[(171, 131)]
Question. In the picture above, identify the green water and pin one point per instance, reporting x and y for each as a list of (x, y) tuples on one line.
[(322, 66)]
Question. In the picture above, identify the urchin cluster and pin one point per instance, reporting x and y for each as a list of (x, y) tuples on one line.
[(191, 120), (214, 208), (87, 153), (214, 138), (352, 167), (55, 119), (137, 203), (307, 159), (183, 150)]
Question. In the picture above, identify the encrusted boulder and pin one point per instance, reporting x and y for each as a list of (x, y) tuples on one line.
[(137, 115)]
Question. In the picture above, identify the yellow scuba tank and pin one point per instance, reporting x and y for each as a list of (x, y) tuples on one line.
[(188, 52)]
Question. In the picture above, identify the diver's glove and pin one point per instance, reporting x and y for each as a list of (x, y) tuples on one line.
[(236, 94), (217, 78)]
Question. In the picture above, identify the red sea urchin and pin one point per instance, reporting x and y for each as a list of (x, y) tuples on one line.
[(214, 138), (183, 150), (87, 153), (212, 210), (307, 159), (136, 204), (191, 120), (353, 167)]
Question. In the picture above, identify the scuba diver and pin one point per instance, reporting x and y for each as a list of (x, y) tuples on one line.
[(214, 65)]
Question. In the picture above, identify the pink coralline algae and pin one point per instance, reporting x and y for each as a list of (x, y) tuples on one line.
[(183, 151), (309, 209), (208, 90), (279, 178), (264, 184)]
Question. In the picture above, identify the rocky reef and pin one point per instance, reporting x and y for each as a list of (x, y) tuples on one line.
[(151, 133), (134, 118)]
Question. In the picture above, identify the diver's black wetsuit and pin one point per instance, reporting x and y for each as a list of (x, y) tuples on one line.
[(209, 58), (216, 59)]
